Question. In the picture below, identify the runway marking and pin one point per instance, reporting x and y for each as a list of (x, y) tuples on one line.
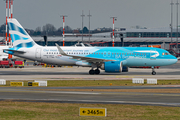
[(96, 101), (63, 92), (90, 93), (129, 93)]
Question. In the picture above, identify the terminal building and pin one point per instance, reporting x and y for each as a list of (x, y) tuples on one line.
[(124, 37), (131, 37)]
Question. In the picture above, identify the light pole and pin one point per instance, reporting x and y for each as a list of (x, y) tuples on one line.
[(6, 19), (82, 24), (171, 18), (89, 25), (114, 18), (177, 28), (63, 16)]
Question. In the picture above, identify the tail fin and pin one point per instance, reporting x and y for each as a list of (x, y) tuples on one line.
[(20, 38)]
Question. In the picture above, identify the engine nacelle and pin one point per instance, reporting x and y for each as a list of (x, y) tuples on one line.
[(114, 66)]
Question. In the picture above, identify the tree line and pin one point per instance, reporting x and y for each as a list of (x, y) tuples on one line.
[(50, 30)]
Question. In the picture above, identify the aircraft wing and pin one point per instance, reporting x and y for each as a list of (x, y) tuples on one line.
[(88, 59)]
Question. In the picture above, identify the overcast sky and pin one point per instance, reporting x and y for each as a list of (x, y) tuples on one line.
[(146, 13)]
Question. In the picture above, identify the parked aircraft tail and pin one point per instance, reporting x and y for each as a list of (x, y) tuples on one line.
[(20, 38)]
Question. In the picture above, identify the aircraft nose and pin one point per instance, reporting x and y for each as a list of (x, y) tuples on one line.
[(174, 60)]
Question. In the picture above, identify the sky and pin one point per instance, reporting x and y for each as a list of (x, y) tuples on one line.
[(146, 13)]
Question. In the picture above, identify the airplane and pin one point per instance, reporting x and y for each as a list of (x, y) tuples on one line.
[(110, 59), (2, 54), (5, 55)]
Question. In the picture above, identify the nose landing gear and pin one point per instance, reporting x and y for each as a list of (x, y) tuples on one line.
[(153, 71)]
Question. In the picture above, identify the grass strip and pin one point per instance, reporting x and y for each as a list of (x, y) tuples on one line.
[(73, 83), (66, 111)]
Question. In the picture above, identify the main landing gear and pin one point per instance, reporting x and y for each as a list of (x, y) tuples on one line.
[(153, 71), (92, 72)]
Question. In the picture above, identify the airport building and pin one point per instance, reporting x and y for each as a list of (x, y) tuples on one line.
[(124, 37), (160, 38), (131, 37)]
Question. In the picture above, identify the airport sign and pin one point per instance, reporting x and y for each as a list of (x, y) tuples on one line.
[(17, 83), (84, 111)]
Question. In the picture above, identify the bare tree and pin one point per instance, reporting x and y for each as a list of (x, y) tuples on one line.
[(38, 29), (67, 29), (48, 28)]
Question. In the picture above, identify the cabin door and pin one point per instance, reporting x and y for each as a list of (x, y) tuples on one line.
[(38, 53)]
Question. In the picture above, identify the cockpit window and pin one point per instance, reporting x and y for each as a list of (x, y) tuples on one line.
[(166, 53)]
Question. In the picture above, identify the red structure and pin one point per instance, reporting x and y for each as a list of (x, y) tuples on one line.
[(6, 19), (63, 16), (10, 10)]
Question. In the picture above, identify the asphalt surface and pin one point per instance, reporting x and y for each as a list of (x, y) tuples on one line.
[(32, 95), (46, 94), (78, 73)]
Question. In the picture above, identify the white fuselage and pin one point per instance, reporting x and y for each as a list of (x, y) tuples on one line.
[(51, 55)]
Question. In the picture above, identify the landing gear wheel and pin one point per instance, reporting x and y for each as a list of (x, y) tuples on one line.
[(97, 71), (153, 73), (91, 72)]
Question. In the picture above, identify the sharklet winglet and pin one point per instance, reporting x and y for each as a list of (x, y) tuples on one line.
[(60, 50)]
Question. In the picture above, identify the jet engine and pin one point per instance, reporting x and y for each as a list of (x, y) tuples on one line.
[(114, 67)]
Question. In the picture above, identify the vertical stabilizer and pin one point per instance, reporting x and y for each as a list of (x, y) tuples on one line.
[(20, 38)]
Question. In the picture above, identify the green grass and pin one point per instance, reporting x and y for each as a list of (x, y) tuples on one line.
[(65, 83), (106, 83), (64, 111)]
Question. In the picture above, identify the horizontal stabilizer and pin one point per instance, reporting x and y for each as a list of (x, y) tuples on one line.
[(14, 51)]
